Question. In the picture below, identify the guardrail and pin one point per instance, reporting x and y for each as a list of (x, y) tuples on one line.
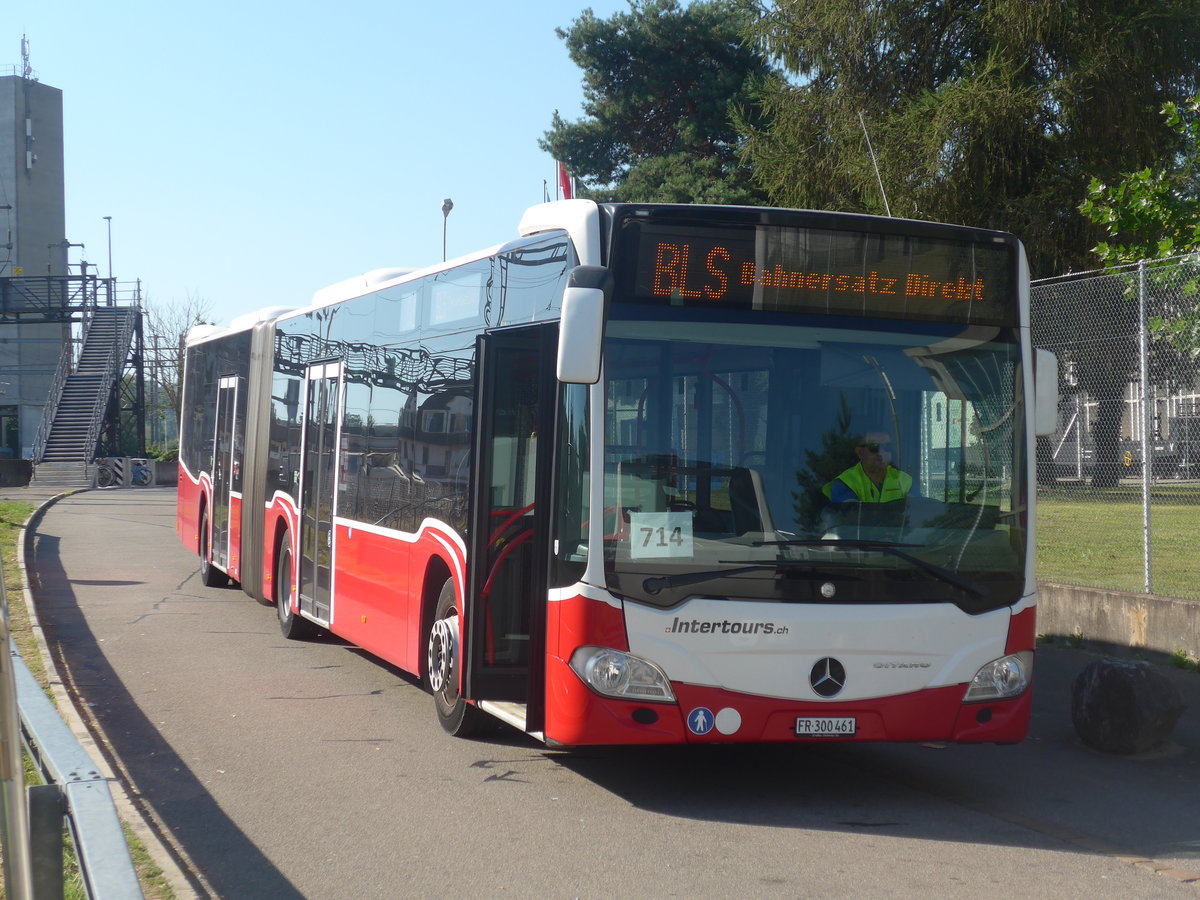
[(76, 793), (81, 796)]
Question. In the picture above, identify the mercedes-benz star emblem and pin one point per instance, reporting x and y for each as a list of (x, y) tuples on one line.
[(828, 676)]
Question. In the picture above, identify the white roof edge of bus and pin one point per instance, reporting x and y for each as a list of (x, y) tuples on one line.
[(356, 285), (202, 331), (244, 322), (579, 218), (250, 319), (371, 281)]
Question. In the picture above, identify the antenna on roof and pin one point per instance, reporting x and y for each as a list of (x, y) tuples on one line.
[(875, 163), (26, 69)]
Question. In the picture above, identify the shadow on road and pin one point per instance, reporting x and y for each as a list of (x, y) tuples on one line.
[(1051, 787), (232, 865)]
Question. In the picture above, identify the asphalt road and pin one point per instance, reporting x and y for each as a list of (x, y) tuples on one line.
[(287, 769)]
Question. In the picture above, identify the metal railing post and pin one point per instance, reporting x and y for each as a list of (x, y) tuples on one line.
[(1147, 442), (46, 840)]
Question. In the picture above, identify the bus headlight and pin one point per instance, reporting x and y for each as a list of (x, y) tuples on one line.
[(1002, 678), (617, 674)]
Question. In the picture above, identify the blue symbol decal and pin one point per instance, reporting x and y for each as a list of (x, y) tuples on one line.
[(700, 720)]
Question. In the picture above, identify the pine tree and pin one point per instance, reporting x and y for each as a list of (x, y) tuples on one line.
[(661, 84)]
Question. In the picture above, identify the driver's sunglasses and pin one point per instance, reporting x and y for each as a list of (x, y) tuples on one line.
[(873, 447)]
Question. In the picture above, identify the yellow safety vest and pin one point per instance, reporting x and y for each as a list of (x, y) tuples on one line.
[(896, 485)]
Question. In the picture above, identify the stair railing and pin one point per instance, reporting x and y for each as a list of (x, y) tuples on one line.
[(116, 363), (66, 365)]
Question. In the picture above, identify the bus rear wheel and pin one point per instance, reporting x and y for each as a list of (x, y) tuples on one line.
[(443, 660), (210, 575), (292, 625)]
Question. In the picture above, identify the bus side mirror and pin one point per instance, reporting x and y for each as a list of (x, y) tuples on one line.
[(581, 329), (1045, 392)]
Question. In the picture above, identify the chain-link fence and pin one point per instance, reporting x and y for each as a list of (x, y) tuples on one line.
[(1127, 342)]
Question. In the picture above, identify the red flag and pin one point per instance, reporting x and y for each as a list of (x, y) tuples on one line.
[(564, 181)]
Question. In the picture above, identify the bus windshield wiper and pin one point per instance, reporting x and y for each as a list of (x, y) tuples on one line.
[(656, 584), (893, 548)]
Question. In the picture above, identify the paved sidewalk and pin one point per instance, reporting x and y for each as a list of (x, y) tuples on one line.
[(183, 882)]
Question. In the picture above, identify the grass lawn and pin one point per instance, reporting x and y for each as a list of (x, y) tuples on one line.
[(13, 515), (1095, 537)]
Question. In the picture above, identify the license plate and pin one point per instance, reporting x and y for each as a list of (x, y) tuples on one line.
[(825, 727)]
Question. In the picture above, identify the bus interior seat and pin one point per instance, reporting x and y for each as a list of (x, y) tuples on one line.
[(636, 493), (748, 501)]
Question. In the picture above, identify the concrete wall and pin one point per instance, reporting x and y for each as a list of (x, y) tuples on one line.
[(29, 355), (1119, 619), (15, 472), (31, 125)]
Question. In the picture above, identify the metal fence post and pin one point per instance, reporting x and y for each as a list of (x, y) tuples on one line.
[(14, 800), (1147, 442)]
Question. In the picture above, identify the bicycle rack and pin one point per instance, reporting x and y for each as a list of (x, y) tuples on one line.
[(124, 471)]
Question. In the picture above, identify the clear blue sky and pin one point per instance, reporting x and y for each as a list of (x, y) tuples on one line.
[(250, 153)]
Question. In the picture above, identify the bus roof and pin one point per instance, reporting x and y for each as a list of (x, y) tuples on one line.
[(579, 218), (356, 285), (244, 322)]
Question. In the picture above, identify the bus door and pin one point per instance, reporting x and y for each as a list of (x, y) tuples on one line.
[(224, 460), (317, 486), (508, 563)]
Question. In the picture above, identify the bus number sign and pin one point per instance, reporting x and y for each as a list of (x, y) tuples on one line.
[(658, 535)]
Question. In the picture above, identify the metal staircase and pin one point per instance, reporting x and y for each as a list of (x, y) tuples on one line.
[(81, 398)]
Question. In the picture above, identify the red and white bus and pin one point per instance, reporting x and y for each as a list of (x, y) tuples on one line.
[(576, 481)]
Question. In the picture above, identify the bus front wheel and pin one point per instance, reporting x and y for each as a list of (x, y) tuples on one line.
[(443, 660)]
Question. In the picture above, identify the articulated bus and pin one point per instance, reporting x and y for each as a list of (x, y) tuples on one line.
[(578, 482)]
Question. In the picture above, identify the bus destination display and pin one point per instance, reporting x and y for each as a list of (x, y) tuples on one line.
[(835, 272)]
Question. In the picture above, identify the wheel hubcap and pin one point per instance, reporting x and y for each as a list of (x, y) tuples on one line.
[(442, 651)]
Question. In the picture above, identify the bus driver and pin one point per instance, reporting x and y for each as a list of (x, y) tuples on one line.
[(873, 479)]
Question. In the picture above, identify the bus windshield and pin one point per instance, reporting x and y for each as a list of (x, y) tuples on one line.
[(737, 456)]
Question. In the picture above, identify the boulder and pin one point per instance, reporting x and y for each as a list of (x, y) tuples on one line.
[(1124, 706)]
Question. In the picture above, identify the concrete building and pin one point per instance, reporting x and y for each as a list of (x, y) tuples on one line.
[(36, 290)]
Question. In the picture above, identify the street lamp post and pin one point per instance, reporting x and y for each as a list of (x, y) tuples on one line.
[(447, 205)]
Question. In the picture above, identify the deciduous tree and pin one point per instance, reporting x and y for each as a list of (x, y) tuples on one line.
[(1154, 213), (983, 112), (1147, 214), (166, 325)]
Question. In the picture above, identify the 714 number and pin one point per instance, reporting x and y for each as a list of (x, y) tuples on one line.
[(661, 537)]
